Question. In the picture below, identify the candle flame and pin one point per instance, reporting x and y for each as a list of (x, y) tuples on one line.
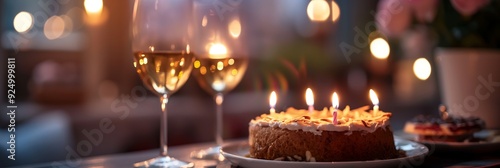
[(335, 100), (373, 97), (273, 99), (217, 51), (309, 97)]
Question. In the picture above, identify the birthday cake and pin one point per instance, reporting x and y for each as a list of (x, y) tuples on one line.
[(300, 135)]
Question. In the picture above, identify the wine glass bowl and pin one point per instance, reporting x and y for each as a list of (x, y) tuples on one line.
[(162, 58)]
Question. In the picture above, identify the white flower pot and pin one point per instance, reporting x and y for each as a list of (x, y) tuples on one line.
[(469, 81)]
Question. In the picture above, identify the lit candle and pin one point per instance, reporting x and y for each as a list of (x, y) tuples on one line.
[(310, 99), (272, 102), (335, 106), (374, 98)]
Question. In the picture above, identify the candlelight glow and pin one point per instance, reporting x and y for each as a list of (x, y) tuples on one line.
[(318, 10), (272, 100), (204, 21), (93, 6), (23, 22), (335, 11), (309, 97), (235, 28), (203, 70), (335, 100), (220, 65), (422, 69), (53, 27), (373, 97), (197, 64), (217, 51), (380, 48)]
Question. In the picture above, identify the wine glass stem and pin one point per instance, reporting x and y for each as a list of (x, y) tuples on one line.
[(163, 126), (219, 98)]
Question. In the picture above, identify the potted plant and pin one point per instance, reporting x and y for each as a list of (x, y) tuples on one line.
[(467, 49)]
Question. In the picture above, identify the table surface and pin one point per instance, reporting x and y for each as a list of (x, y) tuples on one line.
[(182, 152)]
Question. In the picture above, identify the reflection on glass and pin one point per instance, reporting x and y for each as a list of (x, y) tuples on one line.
[(235, 28), (223, 75)]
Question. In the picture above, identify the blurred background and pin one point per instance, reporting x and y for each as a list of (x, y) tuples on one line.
[(74, 72)]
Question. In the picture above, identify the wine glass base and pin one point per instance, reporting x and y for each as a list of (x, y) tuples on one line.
[(212, 153), (165, 162)]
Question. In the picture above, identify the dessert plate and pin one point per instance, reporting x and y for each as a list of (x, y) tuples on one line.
[(490, 144), (236, 153)]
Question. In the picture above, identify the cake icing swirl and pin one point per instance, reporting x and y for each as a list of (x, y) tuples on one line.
[(359, 119)]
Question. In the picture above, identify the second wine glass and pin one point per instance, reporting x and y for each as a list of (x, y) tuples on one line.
[(221, 59)]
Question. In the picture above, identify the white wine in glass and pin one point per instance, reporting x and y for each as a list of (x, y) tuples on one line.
[(163, 72), (162, 58)]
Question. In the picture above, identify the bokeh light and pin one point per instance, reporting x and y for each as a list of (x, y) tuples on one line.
[(54, 27), (235, 28), (380, 48), (68, 24), (335, 11), (422, 68), (318, 10), (93, 6), (23, 22)]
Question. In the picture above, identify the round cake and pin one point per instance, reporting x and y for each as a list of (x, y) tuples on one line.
[(300, 135)]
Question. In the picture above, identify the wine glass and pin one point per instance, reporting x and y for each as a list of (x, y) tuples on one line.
[(162, 58), (221, 58)]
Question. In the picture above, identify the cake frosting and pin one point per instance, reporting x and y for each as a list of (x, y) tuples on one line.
[(360, 119)]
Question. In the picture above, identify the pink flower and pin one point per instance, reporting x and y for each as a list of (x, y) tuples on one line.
[(393, 17), (468, 7), (424, 10)]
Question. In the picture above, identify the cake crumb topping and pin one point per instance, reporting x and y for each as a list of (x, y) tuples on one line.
[(280, 159), (317, 121)]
